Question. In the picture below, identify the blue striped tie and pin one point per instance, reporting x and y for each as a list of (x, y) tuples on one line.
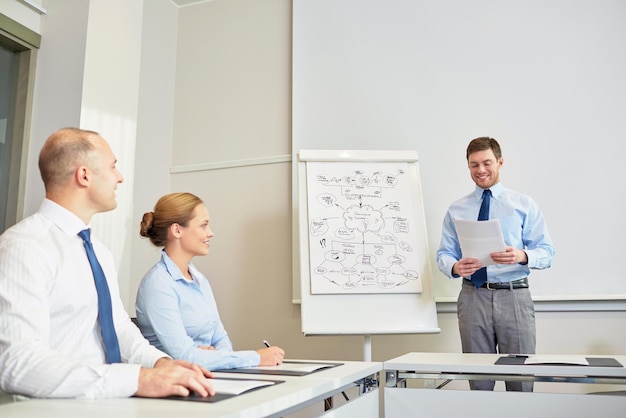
[(105, 311), (480, 277)]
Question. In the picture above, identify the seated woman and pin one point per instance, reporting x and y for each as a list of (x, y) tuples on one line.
[(175, 306)]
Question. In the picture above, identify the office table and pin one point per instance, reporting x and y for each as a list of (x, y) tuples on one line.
[(402, 401), (296, 393)]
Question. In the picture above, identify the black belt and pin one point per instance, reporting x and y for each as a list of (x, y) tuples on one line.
[(517, 284)]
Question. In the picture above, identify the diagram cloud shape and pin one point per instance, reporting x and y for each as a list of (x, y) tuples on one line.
[(364, 218)]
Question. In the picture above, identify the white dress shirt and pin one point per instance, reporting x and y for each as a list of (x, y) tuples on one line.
[(50, 342)]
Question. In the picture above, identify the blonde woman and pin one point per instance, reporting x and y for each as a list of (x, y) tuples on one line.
[(176, 309)]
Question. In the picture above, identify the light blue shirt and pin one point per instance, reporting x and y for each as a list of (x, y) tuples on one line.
[(177, 316), (522, 226)]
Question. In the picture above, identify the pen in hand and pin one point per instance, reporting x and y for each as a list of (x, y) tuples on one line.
[(271, 356)]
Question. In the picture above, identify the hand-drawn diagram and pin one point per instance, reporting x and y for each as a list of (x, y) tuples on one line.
[(362, 229)]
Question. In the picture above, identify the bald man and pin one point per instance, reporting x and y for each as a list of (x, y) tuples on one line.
[(51, 341)]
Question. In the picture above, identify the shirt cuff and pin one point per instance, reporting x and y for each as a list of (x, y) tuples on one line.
[(122, 380)]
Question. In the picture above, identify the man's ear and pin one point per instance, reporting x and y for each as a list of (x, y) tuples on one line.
[(82, 175)]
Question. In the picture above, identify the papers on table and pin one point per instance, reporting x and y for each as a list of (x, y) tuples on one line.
[(288, 367), (552, 359), (296, 367), (478, 239)]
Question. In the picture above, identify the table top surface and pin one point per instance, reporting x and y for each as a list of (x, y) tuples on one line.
[(296, 390), (456, 363)]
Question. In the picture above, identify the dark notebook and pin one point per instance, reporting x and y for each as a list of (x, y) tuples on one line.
[(593, 361), (226, 387)]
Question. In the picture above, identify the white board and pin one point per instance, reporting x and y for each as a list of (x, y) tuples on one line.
[(545, 79), (364, 257)]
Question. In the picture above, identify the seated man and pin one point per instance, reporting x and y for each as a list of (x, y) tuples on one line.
[(57, 337)]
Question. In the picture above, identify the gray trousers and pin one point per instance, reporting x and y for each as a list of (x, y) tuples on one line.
[(497, 321)]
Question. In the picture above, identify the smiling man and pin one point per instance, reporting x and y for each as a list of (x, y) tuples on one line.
[(495, 308)]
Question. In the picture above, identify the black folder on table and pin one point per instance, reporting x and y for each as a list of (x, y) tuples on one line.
[(514, 360), (244, 388)]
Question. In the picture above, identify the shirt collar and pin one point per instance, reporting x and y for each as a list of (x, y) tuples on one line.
[(66, 220), (173, 270), (496, 191)]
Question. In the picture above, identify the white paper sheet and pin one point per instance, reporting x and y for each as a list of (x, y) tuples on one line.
[(552, 359), (478, 239), (293, 367)]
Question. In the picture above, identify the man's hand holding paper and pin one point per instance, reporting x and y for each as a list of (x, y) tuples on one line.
[(481, 240), (511, 255)]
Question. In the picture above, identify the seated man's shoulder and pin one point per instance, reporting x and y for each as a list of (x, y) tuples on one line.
[(33, 229)]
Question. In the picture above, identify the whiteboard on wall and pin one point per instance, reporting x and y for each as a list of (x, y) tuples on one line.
[(364, 260), (544, 79)]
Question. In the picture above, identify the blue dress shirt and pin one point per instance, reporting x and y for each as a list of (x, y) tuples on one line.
[(177, 316), (522, 226)]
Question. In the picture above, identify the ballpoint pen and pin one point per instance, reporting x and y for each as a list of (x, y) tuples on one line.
[(266, 343)]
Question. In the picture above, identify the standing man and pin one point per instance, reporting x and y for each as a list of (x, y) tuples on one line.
[(60, 335), (495, 309)]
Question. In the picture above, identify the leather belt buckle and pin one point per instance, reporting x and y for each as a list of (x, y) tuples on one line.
[(488, 285), (512, 285), (516, 284)]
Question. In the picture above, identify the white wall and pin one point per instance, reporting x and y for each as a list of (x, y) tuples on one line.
[(154, 131)]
